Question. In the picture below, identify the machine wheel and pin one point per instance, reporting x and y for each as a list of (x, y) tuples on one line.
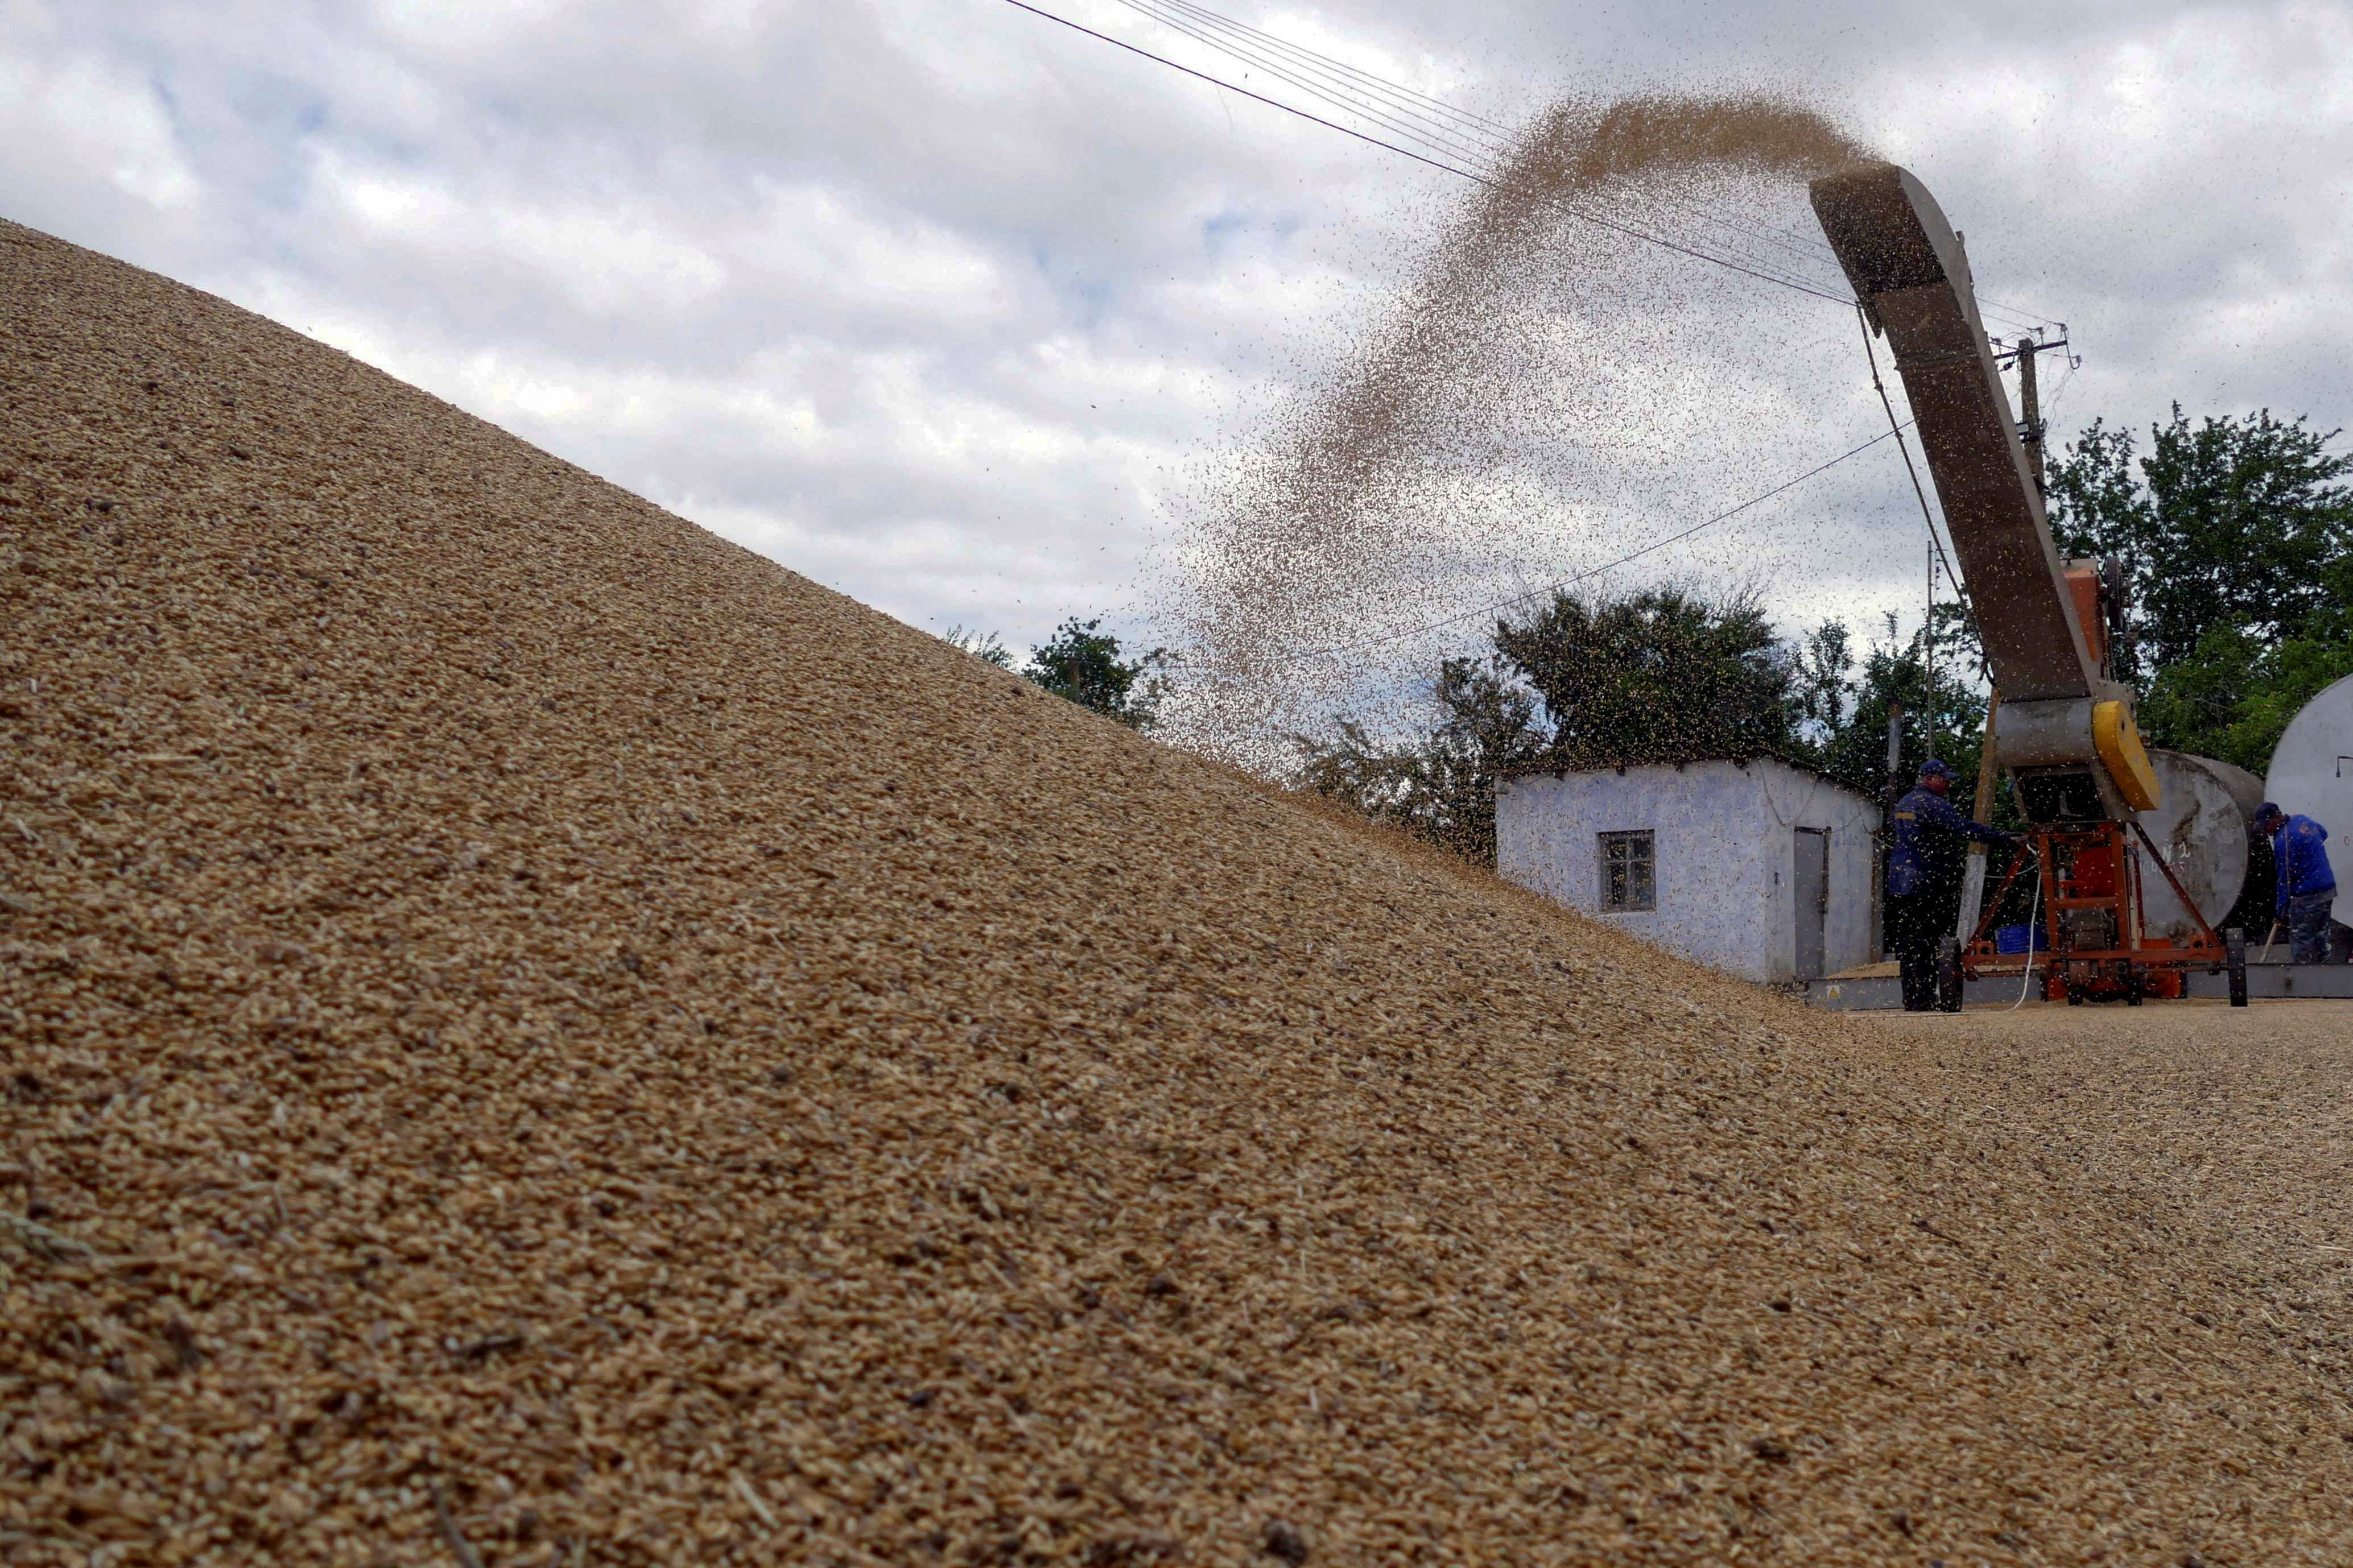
[(2074, 987), (2135, 984), (2234, 943)]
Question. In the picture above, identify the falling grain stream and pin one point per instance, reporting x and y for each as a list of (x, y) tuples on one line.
[(1469, 421)]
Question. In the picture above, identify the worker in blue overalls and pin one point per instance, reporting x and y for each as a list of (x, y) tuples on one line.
[(2307, 888), (1930, 842)]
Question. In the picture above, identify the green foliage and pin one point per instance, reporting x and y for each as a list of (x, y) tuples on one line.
[(2238, 540), (1442, 786), (1821, 674), (2096, 507), (1082, 664), (2234, 695), (2237, 536), (1657, 676), (1846, 728), (986, 647), (1660, 676)]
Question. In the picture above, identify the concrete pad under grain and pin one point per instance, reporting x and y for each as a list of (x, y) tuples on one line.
[(1877, 989)]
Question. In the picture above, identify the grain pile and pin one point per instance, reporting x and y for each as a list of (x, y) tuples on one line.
[(511, 1000), (2239, 1118), (1542, 373)]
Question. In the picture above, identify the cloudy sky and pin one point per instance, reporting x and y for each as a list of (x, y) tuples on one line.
[(960, 312)]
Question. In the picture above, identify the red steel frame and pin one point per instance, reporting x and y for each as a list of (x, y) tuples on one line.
[(2096, 866)]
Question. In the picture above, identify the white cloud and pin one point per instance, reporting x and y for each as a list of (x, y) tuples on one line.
[(462, 28), (606, 259), (811, 237), (952, 308), (79, 118)]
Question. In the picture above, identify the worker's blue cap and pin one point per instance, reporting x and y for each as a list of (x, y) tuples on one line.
[(1933, 769), (2268, 810)]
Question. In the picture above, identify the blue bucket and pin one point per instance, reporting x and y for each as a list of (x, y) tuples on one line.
[(2012, 939)]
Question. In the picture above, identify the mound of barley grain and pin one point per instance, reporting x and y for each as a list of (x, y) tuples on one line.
[(525, 1025)]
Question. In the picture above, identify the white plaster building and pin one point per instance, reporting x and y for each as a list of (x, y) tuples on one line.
[(1756, 868)]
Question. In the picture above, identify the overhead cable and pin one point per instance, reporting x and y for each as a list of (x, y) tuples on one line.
[(1498, 136), (1340, 85), (1594, 218), (1490, 148), (1414, 116), (1396, 119), (1627, 559), (1398, 90), (1925, 515)]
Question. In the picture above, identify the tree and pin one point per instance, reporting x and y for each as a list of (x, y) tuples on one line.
[(1853, 751), (1821, 670), (1439, 787), (986, 647), (1082, 663), (2237, 536), (2234, 695), (2238, 540), (1657, 676)]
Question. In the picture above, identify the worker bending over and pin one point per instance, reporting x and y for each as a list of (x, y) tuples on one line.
[(1924, 880), (2307, 888)]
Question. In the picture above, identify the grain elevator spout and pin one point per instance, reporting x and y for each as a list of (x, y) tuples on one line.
[(1912, 275)]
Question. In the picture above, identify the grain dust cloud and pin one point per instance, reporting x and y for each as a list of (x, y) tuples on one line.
[(1543, 370)]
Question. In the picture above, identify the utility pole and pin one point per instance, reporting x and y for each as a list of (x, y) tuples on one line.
[(2030, 431), (1888, 825), (1973, 880), (2029, 407), (1928, 657), (1894, 748)]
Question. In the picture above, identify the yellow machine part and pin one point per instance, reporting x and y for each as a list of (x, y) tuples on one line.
[(2118, 742)]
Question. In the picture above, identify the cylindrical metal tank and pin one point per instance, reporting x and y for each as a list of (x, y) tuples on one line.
[(2312, 770), (2203, 826)]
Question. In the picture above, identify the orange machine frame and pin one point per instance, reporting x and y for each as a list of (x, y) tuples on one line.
[(2094, 868)]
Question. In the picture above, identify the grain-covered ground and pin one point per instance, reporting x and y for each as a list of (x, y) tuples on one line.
[(511, 1000), (2240, 1121)]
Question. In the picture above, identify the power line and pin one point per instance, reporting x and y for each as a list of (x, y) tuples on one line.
[(1319, 73), (2051, 405), (1260, 98), (1488, 180), (1493, 127), (1454, 143), (1402, 121), (1328, 79), (1498, 135), (1490, 146), (1488, 137), (2025, 317), (1590, 572), (1927, 516)]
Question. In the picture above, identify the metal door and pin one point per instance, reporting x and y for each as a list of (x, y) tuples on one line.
[(1811, 891)]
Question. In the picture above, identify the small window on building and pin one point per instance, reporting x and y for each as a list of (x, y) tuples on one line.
[(1629, 877)]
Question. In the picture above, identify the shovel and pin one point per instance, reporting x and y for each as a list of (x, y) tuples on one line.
[(2269, 937)]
